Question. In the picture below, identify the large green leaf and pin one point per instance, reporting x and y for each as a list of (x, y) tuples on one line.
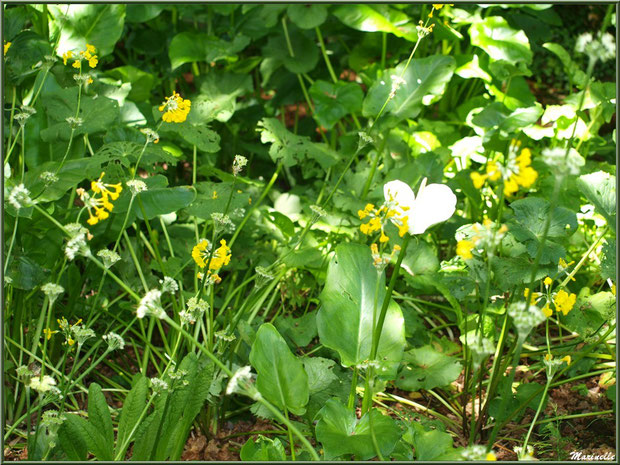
[(218, 95), (333, 101), (165, 200), (99, 415), (340, 432), (425, 82), (500, 41), (345, 319), (307, 16), (600, 189), (281, 376), (132, 409), (375, 18), (305, 52), (430, 444), (27, 49), (204, 138), (262, 450), (141, 81), (100, 25), (292, 148), (426, 368), (529, 222), (187, 47)]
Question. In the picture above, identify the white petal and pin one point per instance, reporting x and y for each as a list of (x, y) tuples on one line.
[(435, 203), (401, 193)]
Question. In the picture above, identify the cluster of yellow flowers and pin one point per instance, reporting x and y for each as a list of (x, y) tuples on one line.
[(89, 54), (517, 172), (100, 204), (562, 301), (377, 218), (380, 261), (220, 258), (438, 6), (65, 327), (175, 108)]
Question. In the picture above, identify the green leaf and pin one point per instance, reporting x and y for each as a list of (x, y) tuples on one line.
[(72, 438), (27, 49), (305, 52), (307, 16), (529, 222), (188, 47), (142, 13), (25, 273), (97, 114), (300, 330), (340, 433), (571, 68), (141, 82), (600, 189), (375, 18), (500, 41), (425, 82), (262, 450), (218, 95), (608, 263), (134, 404), (430, 445), (165, 200), (85, 432), (345, 319), (94, 24), (334, 101), (99, 415), (291, 148), (426, 368), (320, 373), (204, 138), (205, 204), (281, 376)]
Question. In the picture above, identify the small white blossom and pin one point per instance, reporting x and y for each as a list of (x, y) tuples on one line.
[(136, 186), (108, 257), (195, 309), (525, 317), (224, 336), (74, 122), (238, 164), (19, 197), (397, 81), (151, 136), (151, 305), (115, 341), (262, 276), (52, 291), (222, 223), (48, 177), (81, 333), (239, 381), (158, 385), (42, 385), (169, 285), (76, 244)]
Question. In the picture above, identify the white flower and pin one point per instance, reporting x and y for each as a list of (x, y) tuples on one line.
[(109, 257), (168, 284), (19, 197), (151, 305), (114, 341), (44, 384), (76, 245), (158, 385), (52, 291), (136, 186), (239, 380), (435, 203), (238, 163)]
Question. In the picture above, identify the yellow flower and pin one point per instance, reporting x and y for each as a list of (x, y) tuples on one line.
[(613, 288), (7, 46), (491, 457), (533, 295), (65, 56), (77, 64), (547, 311), (478, 179), (567, 359), (70, 341), (99, 187), (48, 333), (366, 211), (92, 61), (214, 195), (90, 81), (221, 256), (464, 248), (383, 237), (564, 301), (547, 281), (175, 108), (200, 252)]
